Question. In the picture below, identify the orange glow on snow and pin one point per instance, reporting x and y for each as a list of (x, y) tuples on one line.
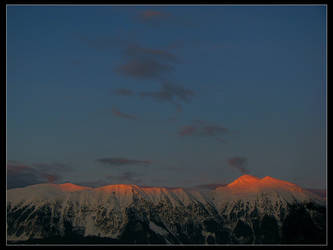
[(72, 187), (244, 184), (248, 183), (152, 189), (119, 188)]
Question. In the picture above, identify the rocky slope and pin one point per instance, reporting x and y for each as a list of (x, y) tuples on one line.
[(249, 210)]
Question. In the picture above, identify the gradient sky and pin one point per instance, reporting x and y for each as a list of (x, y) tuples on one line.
[(165, 95)]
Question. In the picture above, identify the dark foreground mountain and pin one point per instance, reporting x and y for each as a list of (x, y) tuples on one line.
[(249, 210)]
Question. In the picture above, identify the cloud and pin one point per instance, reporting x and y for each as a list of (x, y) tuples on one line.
[(144, 68), (124, 92), (239, 163), (146, 63), (51, 178), (21, 175), (117, 113), (169, 93), (119, 161), (200, 128), (140, 62), (154, 64), (143, 63)]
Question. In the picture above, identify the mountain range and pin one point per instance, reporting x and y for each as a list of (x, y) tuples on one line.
[(249, 210)]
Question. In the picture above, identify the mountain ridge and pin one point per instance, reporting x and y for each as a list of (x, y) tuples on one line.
[(247, 210), (242, 180)]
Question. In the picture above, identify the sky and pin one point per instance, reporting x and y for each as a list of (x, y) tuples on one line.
[(165, 95)]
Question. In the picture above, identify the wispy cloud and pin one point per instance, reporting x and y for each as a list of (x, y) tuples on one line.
[(51, 178), (117, 113), (119, 161), (140, 62), (200, 128), (170, 92), (21, 175), (240, 163), (144, 68), (146, 63)]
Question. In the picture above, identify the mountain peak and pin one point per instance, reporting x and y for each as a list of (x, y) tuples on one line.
[(268, 178), (249, 177), (249, 183), (244, 180)]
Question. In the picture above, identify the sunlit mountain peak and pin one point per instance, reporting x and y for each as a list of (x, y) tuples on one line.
[(244, 180)]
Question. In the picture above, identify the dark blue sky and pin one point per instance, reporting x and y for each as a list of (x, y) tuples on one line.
[(166, 95)]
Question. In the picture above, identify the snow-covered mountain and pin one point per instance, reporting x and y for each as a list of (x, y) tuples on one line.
[(248, 210)]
